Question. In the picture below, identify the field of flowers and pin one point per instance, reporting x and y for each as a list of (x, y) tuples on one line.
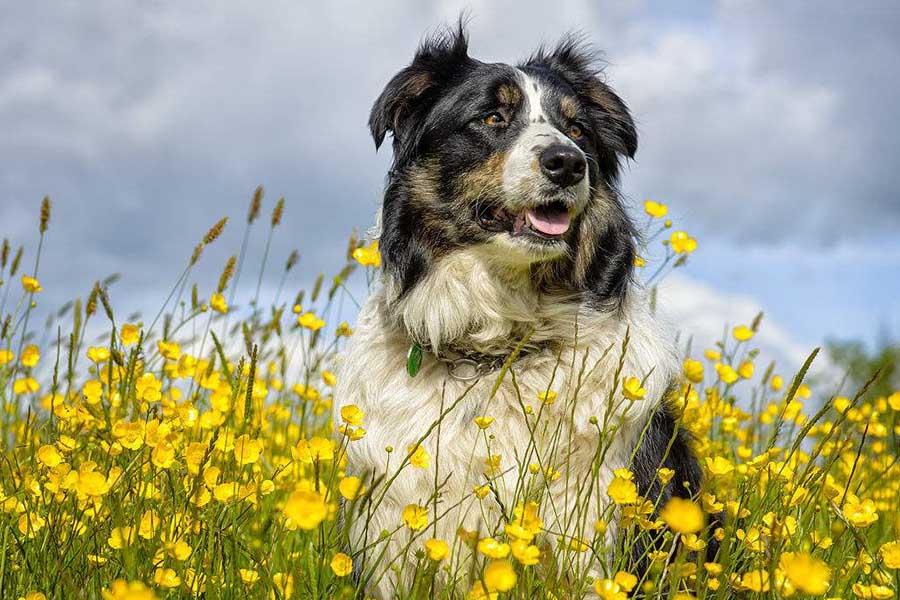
[(193, 455)]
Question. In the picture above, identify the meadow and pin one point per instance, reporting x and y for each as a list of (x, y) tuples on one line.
[(192, 454)]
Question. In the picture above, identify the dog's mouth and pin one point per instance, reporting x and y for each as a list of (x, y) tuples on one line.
[(546, 222)]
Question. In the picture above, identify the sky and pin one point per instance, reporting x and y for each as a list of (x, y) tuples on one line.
[(772, 132)]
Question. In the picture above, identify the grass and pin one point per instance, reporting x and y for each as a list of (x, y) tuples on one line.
[(194, 456)]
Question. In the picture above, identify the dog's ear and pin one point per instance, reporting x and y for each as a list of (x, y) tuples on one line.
[(611, 121), (410, 93), (605, 253), (406, 259)]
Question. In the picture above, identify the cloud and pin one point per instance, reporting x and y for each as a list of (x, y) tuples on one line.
[(145, 123), (704, 316)]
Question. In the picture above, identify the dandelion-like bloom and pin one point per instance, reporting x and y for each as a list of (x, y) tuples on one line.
[(657, 210), (632, 389), (368, 256), (415, 517), (341, 565), (682, 516), (437, 550), (622, 491), (306, 509), (31, 285), (890, 554), (809, 575), (860, 513), (682, 243), (499, 576)]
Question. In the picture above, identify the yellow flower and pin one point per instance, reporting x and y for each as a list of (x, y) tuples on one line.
[(368, 256), (745, 369), (341, 565), (693, 543), (657, 210), (352, 414), (248, 576), (284, 583), (622, 491), (30, 523), (742, 333), (718, 466), (415, 517), (92, 390), (860, 513), (626, 581), (607, 589), (755, 581), (873, 592), (163, 455), (693, 370), (122, 537), (166, 578), (169, 350), (890, 554), (776, 383), (314, 449), (547, 396), (682, 516), (499, 576), (726, 373), (6, 356), (350, 487), (632, 389), (527, 554), (492, 548), (218, 303), (310, 321), (148, 387), (682, 243), (26, 385), (639, 261), (31, 285), (893, 399), (98, 354), (306, 509), (418, 456), (665, 474), (30, 356), (807, 574), (125, 590), (35, 595), (49, 456), (247, 450), (437, 550), (130, 334), (484, 422)]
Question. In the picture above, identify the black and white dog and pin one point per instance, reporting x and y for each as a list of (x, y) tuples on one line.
[(502, 230)]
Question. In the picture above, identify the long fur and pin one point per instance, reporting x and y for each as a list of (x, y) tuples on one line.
[(451, 285)]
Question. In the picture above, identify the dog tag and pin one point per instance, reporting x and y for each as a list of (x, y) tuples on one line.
[(414, 359)]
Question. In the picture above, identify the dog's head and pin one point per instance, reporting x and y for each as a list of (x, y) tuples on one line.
[(521, 161)]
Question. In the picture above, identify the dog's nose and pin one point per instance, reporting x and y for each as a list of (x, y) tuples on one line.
[(563, 165)]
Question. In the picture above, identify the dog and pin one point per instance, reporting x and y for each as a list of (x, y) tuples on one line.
[(507, 292)]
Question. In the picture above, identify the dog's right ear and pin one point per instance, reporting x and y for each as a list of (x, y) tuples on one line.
[(409, 95)]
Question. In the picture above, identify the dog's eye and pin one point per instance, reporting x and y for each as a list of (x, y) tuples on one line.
[(575, 131), (493, 119)]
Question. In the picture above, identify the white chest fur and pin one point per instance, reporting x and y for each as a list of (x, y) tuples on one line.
[(559, 439)]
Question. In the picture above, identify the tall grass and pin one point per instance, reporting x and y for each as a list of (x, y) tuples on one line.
[(183, 458)]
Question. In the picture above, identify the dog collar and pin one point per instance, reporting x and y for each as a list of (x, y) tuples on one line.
[(462, 366)]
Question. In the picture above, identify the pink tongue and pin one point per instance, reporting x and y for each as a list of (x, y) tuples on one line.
[(549, 222)]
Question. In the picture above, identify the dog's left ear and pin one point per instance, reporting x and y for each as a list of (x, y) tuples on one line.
[(610, 119)]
